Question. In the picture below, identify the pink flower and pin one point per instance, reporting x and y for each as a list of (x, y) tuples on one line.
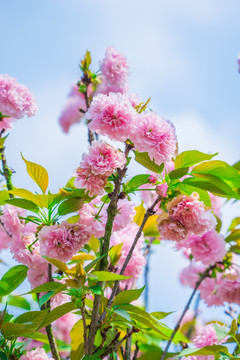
[(191, 213), (4, 238), (152, 179), (191, 274), (216, 203), (37, 354), (229, 291), (170, 229), (207, 337), (208, 248), (6, 123), (15, 99), (11, 220), (62, 241), (63, 326), (162, 189), (136, 263), (209, 291), (111, 115), (38, 274), (96, 166), (71, 113), (153, 134), (114, 68)]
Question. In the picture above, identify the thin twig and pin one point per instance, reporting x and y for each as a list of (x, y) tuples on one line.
[(146, 254), (198, 283), (115, 343), (135, 354), (150, 211), (85, 337), (51, 338), (128, 346), (6, 172)]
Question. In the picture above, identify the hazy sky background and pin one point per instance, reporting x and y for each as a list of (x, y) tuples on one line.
[(181, 53)]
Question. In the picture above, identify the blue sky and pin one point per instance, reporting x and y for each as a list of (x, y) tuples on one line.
[(181, 53)]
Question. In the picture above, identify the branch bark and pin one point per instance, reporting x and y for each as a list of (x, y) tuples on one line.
[(111, 214)]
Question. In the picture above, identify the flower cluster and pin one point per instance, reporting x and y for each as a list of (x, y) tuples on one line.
[(62, 241), (16, 101), (96, 166), (115, 69), (71, 113), (37, 354), (186, 215)]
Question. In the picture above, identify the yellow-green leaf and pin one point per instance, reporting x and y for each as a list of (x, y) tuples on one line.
[(38, 173)]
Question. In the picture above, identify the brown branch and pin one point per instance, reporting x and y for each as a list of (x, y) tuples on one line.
[(51, 338), (115, 343), (6, 172), (85, 337), (111, 214), (150, 211)]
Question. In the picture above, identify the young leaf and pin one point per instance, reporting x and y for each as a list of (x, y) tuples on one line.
[(70, 205), (27, 195), (191, 157), (18, 301), (13, 278), (178, 173), (144, 160), (49, 286), (136, 181), (107, 276), (58, 312), (126, 297), (38, 173), (23, 204)]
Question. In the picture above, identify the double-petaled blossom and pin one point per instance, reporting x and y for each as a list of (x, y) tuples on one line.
[(115, 70), (37, 354), (153, 134), (185, 214), (96, 166), (62, 241), (137, 261), (73, 110), (16, 100), (111, 115), (207, 248)]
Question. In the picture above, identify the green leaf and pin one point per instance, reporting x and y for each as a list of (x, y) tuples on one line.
[(191, 157), (78, 353), (38, 173), (160, 314), (70, 205), (49, 286), (151, 355), (11, 330), (43, 299), (221, 332), (234, 236), (27, 195), (4, 195), (220, 169), (23, 204), (178, 173), (234, 223), (207, 350), (96, 289), (89, 266), (126, 297), (234, 328), (58, 312), (212, 184), (107, 276), (137, 181), (144, 160), (237, 166), (18, 301), (13, 278)]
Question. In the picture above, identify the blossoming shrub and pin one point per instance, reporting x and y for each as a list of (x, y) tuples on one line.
[(84, 248)]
